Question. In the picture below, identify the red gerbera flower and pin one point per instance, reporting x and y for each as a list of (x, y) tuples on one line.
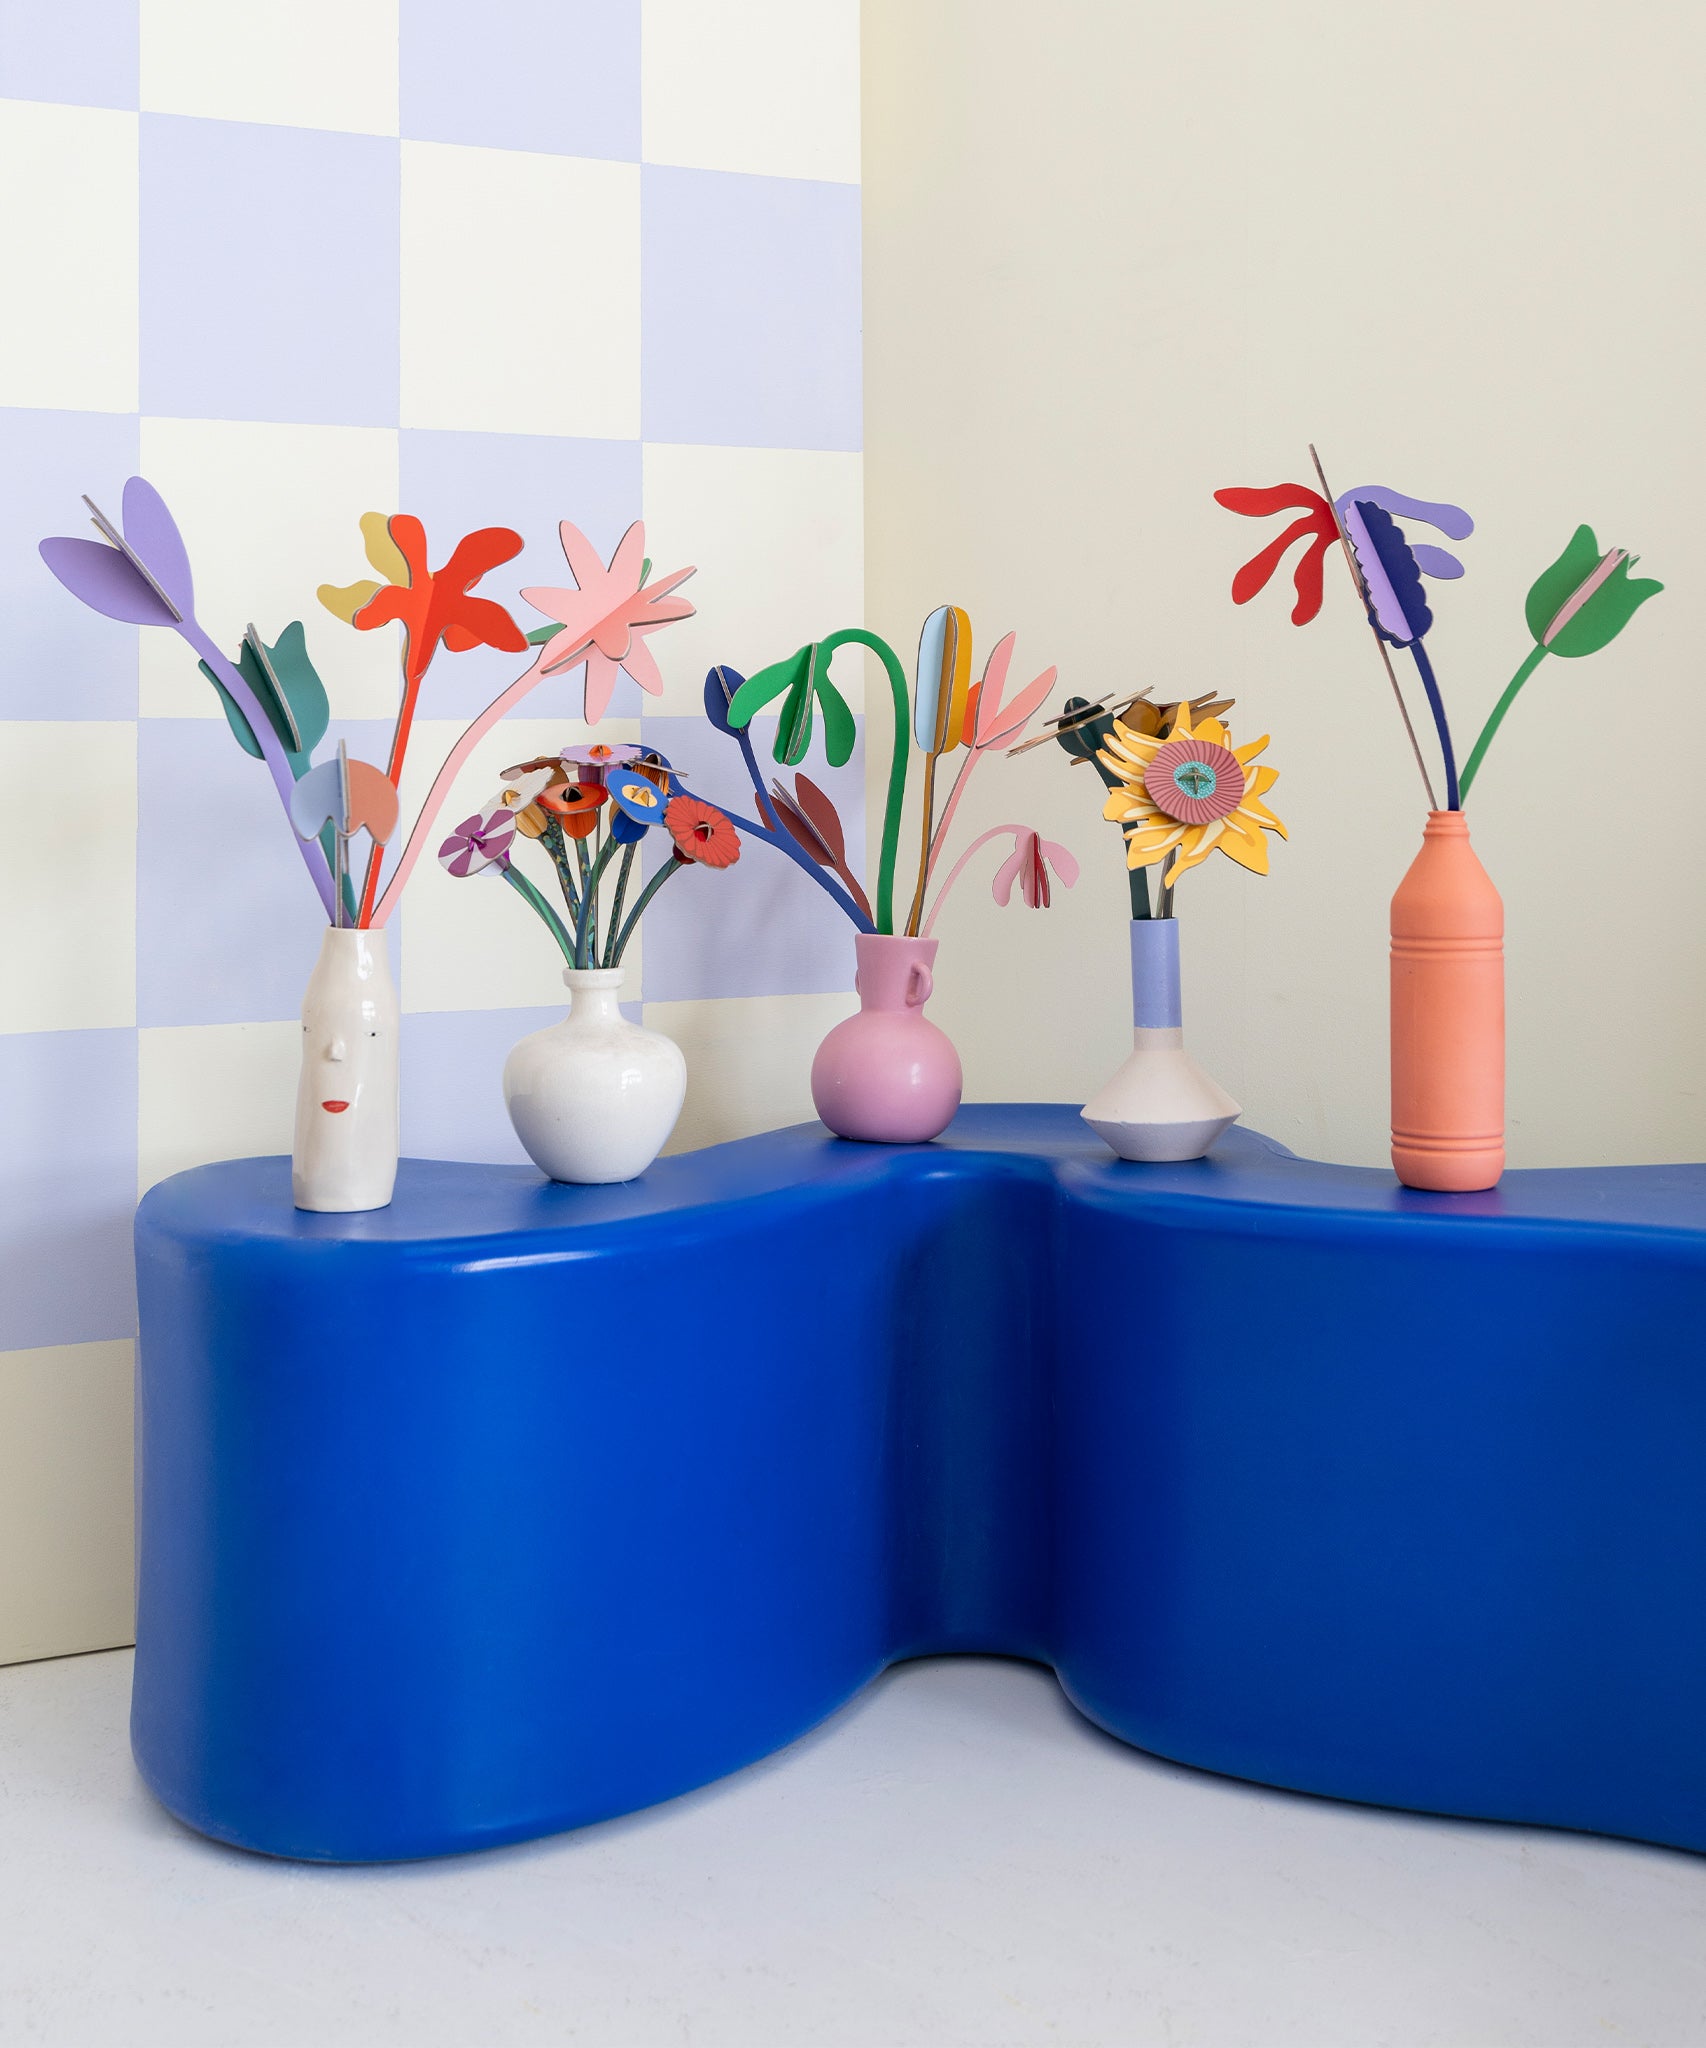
[(701, 832), (1318, 522)]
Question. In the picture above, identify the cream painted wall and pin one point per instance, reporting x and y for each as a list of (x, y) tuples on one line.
[(1118, 255)]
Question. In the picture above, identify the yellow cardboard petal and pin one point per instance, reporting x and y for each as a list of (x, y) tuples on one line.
[(343, 603), (1251, 852), (1250, 749), (382, 551), (1263, 816)]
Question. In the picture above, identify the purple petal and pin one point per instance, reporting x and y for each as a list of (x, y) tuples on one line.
[(1437, 562), (1451, 520), (153, 532), (104, 580)]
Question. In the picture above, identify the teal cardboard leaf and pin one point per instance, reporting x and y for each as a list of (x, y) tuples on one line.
[(1585, 599), (301, 721)]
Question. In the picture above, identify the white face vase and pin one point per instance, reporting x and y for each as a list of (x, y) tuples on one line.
[(345, 1155)]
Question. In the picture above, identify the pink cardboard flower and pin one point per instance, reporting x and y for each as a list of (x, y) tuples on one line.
[(1028, 865), (606, 617), (479, 842), (601, 757)]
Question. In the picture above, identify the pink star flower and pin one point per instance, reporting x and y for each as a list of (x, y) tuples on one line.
[(606, 617)]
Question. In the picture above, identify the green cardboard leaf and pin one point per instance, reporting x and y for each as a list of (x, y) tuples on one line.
[(839, 730), (794, 732), (765, 685), (1606, 611), (304, 694)]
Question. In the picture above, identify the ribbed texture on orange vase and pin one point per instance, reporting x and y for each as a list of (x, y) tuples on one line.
[(1448, 1016)]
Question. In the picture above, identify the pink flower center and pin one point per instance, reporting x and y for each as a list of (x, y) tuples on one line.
[(1194, 782)]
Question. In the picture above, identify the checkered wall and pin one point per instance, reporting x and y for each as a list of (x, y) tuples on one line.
[(512, 262)]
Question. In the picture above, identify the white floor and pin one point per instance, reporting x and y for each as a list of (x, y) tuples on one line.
[(957, 1858)]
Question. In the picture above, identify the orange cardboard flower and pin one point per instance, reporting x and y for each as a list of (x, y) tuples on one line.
[(575, 805), (606, 617), (433, 605), (701, 832)]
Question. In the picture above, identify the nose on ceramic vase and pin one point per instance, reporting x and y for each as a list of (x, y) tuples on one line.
[(336, 1049)]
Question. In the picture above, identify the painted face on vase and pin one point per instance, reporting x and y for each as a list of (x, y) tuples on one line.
[(345, 1155)]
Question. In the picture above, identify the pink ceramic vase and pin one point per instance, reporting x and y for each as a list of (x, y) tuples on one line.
[(888, 1075)]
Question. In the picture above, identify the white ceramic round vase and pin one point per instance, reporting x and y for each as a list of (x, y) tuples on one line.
[(344, 1156), (1160, 1105), (594, 1098)]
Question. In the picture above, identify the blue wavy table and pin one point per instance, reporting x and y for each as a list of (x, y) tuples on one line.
[(513, 1506)]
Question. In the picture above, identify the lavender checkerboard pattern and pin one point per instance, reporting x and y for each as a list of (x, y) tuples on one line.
[(215, 244)]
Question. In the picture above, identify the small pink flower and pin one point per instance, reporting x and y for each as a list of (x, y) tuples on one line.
[(1028, 865)]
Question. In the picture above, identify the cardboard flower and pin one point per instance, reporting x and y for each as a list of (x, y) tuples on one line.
[(1316, 525), (434, 606), (637, 799), (139, 571), (607, 615), (1028, 865), (601, 757), (1576, 607), (478, 843), (575, 806), (701, 832), (1189, 793), (1319, 523), (1585, 599), (802, 682)]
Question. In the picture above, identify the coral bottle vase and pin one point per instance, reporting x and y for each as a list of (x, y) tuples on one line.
[(887, 1074), (1448, 1016)]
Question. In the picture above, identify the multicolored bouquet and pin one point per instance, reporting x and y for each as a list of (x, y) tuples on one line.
[(589, 809), (945, 713)]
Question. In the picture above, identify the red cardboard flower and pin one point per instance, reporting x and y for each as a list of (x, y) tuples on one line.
[(1317, 523), (701, 832)]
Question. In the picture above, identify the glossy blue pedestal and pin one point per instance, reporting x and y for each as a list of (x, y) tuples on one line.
[(514, 1506)]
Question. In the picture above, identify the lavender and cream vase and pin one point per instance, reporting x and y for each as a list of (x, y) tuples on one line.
[(1160, 1105)]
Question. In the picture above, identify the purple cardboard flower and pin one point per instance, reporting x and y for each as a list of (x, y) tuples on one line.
[(1451, 520), (142, 576)]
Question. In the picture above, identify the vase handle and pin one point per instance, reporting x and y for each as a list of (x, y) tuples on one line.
[(918, 985)]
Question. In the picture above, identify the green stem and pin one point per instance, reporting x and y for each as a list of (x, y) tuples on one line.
[(1492, 725), (586, 931), (639, 910), (526, 891), (622, 874), (896, 801), (557, 847)]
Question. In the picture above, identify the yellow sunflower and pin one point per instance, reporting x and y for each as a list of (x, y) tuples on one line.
[(1188, 792)]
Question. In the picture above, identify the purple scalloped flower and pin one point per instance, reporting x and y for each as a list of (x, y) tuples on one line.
[(478, 843), (1440, 563)]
